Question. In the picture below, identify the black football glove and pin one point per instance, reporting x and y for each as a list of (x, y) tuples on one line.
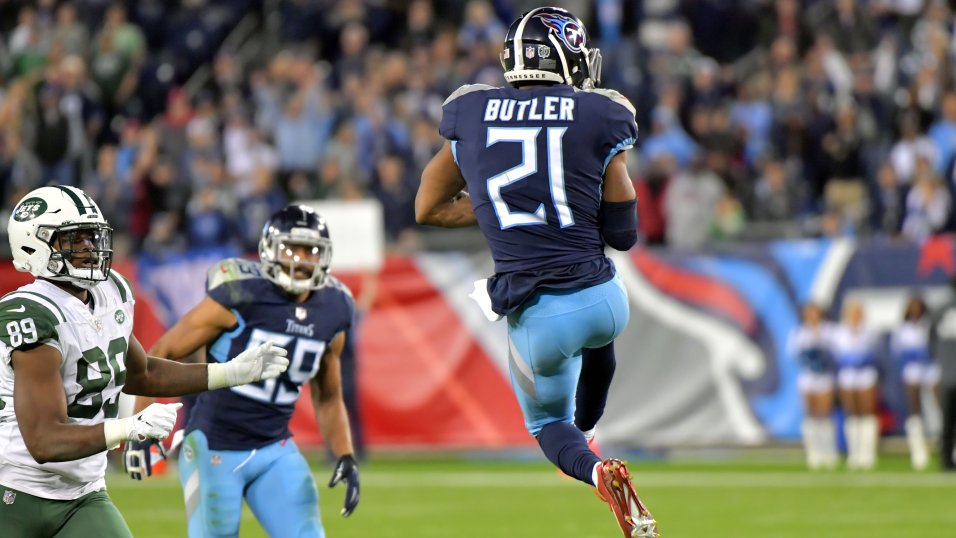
[(347, 469), (139, 457)]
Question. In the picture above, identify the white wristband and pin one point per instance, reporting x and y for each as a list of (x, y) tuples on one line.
[(115, 432), (217, 376)]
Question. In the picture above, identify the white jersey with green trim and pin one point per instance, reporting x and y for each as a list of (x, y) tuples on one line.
[(93, 346)]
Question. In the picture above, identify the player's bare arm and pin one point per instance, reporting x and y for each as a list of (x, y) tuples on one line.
[(333, 421), (326, 389), (618, 186), (153, 376), (441, 200), (41, 410), (197, 328), (618, 216)]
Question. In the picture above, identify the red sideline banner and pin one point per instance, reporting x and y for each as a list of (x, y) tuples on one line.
[(423, 379)]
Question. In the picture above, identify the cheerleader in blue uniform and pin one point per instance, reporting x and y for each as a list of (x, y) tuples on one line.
[(910, 347), (854, 349), (809, 344)]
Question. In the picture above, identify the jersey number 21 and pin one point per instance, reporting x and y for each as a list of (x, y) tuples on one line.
[(528, 138)]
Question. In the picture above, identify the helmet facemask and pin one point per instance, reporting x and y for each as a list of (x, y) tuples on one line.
[(297, 261), (80, 254)]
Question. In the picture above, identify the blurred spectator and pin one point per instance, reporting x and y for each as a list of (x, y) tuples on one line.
[(690, 204), (480, 25), (928, 204), (776, 195), (394, 190), (668, 137), (847, 23), (911, 146), (69, 32), (890, 202), (53, 138), (19, 168), (782, 18), (207, 224), (943, 133), (729, 219), (845, 190), (113, 193), (652, 200), (297, 137)]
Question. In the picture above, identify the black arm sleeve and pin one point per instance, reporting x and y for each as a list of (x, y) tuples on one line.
[(619, 224)]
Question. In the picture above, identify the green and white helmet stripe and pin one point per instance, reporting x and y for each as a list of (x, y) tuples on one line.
[(84, 204)]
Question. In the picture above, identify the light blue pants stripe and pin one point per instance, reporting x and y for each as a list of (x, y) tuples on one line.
[(275, 481), (546, 336)]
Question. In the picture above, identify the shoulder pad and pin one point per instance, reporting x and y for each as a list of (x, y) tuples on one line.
[(231, 270), (122, 285), (339, 285), (27, 318), (466, 89), (614, 96)]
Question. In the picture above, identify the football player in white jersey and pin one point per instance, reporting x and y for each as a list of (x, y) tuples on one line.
[(66, 352)]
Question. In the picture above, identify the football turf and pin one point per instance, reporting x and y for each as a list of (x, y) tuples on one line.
[(419, 498)]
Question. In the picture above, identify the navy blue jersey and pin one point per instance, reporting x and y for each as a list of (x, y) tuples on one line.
[(534, 162), (254, 415)]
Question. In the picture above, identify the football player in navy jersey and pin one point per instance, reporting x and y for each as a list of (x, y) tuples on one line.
[(540, 168), (238, 444)]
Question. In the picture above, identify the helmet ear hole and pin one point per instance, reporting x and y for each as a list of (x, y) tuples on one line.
[(28, 250)]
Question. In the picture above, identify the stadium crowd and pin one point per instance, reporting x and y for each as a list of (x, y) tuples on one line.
[(759, 118)]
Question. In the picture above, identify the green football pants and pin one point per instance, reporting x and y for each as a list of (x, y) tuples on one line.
[(26, 516)]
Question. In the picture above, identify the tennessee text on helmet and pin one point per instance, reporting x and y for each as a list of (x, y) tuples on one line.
[(295, 249), (549, 44), (59, 233)]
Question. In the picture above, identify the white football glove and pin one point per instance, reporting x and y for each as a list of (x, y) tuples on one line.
[(264, 361), (154, 422)]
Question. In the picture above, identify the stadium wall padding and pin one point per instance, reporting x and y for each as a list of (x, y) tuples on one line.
[(702, 362)]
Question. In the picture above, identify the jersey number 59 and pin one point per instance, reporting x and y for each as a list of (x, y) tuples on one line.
[(304, 357)]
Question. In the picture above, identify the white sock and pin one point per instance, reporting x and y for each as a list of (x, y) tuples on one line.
[(851, 431), (916, 439), (809, 430), (594, 474), (589, 435), (869, 439), (828, 449)]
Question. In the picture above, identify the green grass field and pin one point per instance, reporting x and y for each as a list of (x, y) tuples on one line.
[(418, 498)]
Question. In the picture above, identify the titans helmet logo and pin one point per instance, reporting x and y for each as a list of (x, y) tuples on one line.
[(567, 29)]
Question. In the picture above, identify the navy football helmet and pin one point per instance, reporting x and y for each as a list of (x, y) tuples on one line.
[(284, 261), (549, 44)]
